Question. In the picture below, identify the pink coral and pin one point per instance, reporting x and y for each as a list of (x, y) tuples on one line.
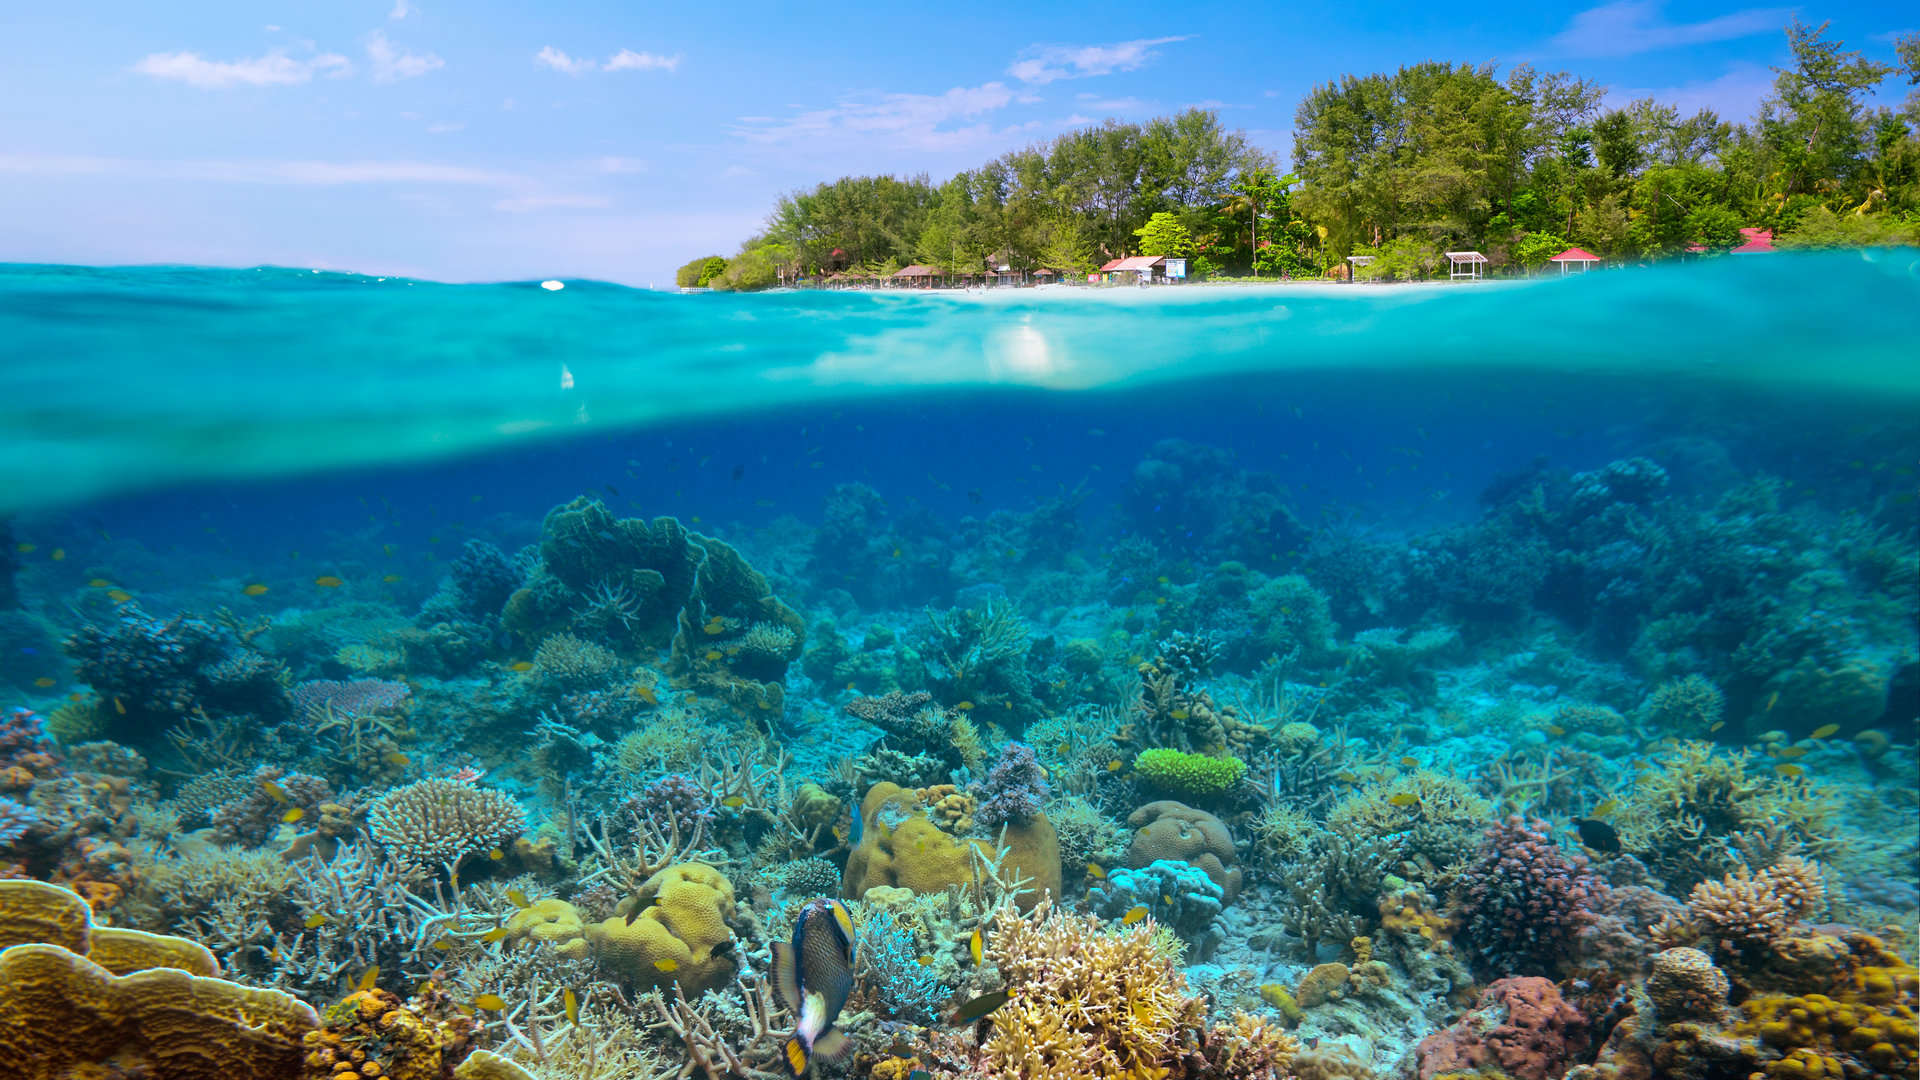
[(1526, 899), (1520, 1027)]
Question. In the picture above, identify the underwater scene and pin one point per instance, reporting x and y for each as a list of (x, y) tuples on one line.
[(566, 681)]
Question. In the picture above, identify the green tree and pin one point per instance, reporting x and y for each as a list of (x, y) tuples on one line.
[(1163, 234), (1535, 249), (1815, 126), (1713, 226), (699, 272)]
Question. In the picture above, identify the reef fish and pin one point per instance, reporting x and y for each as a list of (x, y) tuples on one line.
[(814, 975), (1597, 835)]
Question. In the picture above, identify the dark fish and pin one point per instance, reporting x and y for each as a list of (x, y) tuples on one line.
[(976, 497), (611, 489), (1597, 835), (814, 975), (978, 1007), (739, 471)]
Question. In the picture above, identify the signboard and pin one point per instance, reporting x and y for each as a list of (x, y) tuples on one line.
[(1176, 268)]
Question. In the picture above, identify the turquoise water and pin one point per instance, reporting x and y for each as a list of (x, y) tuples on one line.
[(123, 378), (478, 644)]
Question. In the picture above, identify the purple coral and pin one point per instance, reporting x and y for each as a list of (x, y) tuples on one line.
[(1526, 899), (15, 819), (1014, 789), (21, 732), (357, 697), (675, 800)]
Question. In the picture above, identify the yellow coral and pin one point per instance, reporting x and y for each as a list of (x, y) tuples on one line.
[(901, 847), (1868, 1030), (682, 934), (552, 921), (1326, 982), (373, 1034)]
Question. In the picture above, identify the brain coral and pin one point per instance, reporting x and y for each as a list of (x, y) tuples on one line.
[(902, 848), (682, 933), (1171, 830)]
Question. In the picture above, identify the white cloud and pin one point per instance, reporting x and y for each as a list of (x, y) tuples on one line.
[(391, 62), (1111, 106), (1628, 27), (276, 68), (1734, 95), (628, 60), (917, 121), (526, 204), (551, 57), (735, 172), (620, 166), (624, 60), (1046, 63), (401, 9), (297, 173)]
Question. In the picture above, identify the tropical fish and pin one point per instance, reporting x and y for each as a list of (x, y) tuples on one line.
[(1095, 871), (328, 581), (715, 654), (1792, 752), (1410, 762), (814, 975), (43, 682), (978, 1007), (646, 694), (443, 945), (976, 948), (119, 596), (293, 815), (315, 920), (496, 855), (517, 898), (274, 791), (396, 759), (99, 583), (119, 706), (368, 978), (733, 802), (571, 1003), (520, 665), (1605, 809), (494, 934), (667, 964), (1556, 730), (1405, 799), (254, 589), (1789, 770), (1134, 915), (489, 1002), (59, 555), (392, 579), (1825, 731), (1716, 726), (965, 706), (1597, 835)]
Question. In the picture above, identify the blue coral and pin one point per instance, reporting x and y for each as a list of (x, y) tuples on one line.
[(1178, 895), (905, 987), (1014, 790)]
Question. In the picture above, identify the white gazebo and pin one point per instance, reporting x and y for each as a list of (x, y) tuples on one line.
[(1358, 261), (1471, 260)]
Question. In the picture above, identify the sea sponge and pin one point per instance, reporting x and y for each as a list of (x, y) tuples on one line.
[(1326, 982), (901, 847), (66, 1016), (1173, 830), (1190, 776), (682, 933)]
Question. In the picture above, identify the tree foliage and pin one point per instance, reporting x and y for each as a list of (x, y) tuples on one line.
[(1403, 165)]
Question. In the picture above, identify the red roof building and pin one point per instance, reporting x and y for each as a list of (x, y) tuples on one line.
[(1575, 257), (1758, 242)]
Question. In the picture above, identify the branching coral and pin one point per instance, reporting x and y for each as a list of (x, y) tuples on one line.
[(1085, 1000), (1699, 815), (1525, 899), (440, 822), (1431, 819)]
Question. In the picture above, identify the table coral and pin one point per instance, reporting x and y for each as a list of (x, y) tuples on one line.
[(1520, 1027)]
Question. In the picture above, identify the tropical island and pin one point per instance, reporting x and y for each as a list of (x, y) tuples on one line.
[(1394, 168)]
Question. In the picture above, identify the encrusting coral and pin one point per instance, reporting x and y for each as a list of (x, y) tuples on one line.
[(902, 847)]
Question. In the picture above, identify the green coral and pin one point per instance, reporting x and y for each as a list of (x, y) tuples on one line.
[(1702, 815), (1189, 775), (1428, 818), (1690, 706)]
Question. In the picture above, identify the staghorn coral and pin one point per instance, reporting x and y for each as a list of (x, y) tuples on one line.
[(440, 822), (1086, 1000), (564, 663), (1700, 814), (1689, 707), (1430, 819)]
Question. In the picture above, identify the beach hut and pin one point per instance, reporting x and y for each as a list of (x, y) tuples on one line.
[(1466, 264), (1575, 261), (1142, 268), (1758, 242), (918, 276), (1358, 262)]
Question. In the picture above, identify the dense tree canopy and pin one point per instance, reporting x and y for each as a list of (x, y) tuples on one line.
[(1402, 166)]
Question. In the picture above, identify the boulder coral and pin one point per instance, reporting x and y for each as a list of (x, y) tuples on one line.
[(683, 932), (1173, 830), (902, 847)]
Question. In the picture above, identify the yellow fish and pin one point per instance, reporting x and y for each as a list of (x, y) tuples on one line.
[(23, 548), (715, 654), (520, 665), (733, 802), (489, 1002), (976, 948), (1772, 701), (315, 920), (494, 934), (1792, 751), (99, 583), (255, 589), (1410, 762), (443, 945), (293, 815), (1405, 799), (328, 581), (572, 1005), (1134, 915), (667, 965), (1095, 872), (517, 898), (926, 961), (715, 625), (43, 682), (646, 695), (368, 978), (965, 706), (274, 791), (1825, 731), (119, 596), (59, 555), (119, 706), (1116, 765), (392, 579), (1605, 809), (396, 759), (1180, 714), (1717, 725), (1789, 770), (1556, 730), (496, 855)]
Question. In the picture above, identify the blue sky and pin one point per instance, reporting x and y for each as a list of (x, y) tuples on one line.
[(484, 141)]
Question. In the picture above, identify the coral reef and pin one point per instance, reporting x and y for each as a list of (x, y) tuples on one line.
[(1526, 899), (1171, 830), (437, 822)]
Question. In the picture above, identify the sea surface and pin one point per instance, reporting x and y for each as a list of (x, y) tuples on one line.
[(1596, 524)]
